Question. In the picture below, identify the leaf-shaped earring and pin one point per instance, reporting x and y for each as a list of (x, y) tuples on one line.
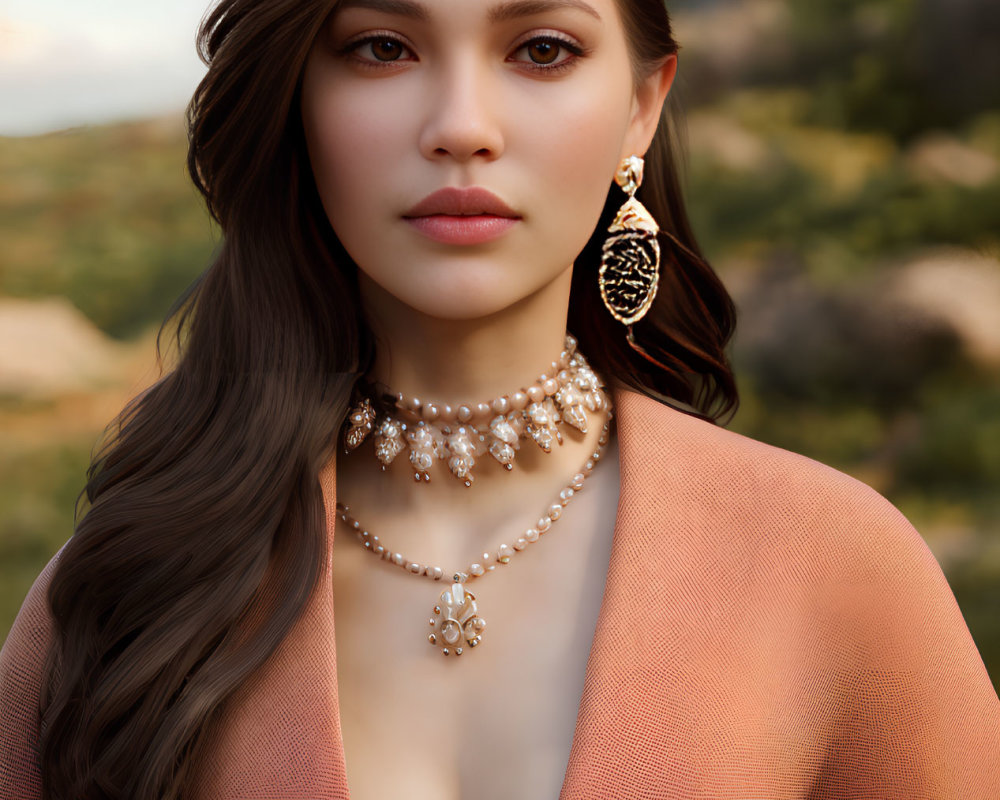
[(630, 263)]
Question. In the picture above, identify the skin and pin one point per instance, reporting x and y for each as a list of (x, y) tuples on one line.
[(459, 100)]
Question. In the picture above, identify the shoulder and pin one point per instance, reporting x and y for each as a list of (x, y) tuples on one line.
[(31, 632), (807, 569), (755, 482), (22, 659), (773, 523)]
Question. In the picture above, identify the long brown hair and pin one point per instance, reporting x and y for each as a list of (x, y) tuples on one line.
[(205, 525)]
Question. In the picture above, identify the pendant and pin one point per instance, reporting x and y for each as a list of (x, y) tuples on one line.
[(456, 619)]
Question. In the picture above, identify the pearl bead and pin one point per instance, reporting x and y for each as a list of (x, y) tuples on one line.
[(501, 405), (550, 387), (415, 568), (519, 401), (483, 409), (520, 543), (397, 558), (536, 394), (543, 524), (565, 495), (476, 569), (437, 572), (505, 553), (430, 412), (447, 413), (555, 511), (578, 480), (412, 403), (464, 413)]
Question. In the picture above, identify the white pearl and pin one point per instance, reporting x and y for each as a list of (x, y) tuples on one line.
[(531, 535), (397, 558), (476, 569), (566, 494), (415, 568), (543, 524), (555, 511), (520, 543), (437, 572)]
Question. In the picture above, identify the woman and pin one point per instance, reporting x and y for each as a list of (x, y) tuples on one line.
[(419, 200)]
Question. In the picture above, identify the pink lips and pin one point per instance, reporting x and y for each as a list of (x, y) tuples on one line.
[(462, 216)]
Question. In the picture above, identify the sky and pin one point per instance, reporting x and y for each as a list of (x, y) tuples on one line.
[(65, 63)]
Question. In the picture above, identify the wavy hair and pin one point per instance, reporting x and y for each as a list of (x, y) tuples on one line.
[(205, 528)]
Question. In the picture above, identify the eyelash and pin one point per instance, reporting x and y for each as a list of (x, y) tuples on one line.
[(561, 66)]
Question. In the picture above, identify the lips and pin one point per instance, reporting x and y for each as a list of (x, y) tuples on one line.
[(456, 202), (455, 216)]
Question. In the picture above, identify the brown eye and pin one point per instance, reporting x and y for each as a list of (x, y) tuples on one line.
[(386, 49), (543, 52)]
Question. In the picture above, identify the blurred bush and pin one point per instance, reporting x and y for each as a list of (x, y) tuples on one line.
[(105, 216)]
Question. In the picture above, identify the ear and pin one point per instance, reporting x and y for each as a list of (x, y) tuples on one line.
[(647, 105)]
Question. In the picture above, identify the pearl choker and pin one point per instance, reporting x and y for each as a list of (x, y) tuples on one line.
[(462, 434)]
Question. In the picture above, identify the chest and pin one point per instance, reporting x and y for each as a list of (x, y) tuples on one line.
[(496, 722)]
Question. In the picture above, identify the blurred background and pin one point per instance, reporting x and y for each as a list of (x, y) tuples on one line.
[(843, 178)]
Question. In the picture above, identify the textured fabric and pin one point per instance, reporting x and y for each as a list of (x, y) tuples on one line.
[(770, 628)]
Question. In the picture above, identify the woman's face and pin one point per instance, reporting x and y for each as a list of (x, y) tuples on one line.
[(531, 100)]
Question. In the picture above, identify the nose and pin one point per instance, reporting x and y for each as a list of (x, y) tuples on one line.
[(462, 117)]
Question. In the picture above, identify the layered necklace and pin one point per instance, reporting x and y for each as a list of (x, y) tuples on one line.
[(458, 437)]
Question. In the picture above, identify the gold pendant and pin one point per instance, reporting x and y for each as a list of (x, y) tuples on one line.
[(456, 619)]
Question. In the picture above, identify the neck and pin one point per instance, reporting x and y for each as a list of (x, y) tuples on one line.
[(458, 361)]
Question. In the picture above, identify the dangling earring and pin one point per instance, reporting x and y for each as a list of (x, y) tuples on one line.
[(630, 264)]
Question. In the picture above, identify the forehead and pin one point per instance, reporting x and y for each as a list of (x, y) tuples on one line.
[(496, 12)]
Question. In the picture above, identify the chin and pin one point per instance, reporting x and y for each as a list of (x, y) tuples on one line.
[(458, 305)]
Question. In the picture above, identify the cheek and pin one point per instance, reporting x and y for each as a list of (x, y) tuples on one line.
[(351, 142), (574, 151)]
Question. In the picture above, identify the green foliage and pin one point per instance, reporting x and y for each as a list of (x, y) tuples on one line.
[(104, 216), (900, 66)]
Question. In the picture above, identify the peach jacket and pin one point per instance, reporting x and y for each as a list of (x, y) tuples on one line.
[(770, 628)]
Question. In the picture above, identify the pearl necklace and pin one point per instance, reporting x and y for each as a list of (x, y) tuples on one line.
[(456, 614), (461, 435)]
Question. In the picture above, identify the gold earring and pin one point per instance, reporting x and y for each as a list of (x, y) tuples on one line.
[(630, 263)]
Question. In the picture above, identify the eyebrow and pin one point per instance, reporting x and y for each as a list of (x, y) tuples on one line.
[(502, 12)]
